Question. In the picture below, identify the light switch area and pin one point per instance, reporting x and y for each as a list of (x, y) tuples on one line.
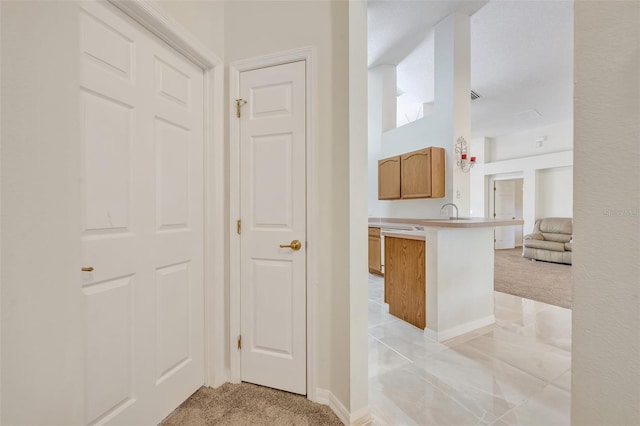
[(458, 195)]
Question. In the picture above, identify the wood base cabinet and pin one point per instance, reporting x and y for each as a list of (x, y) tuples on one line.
[(404, 279), (375, 257)]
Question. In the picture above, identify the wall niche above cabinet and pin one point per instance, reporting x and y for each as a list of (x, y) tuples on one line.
[(416, 174)]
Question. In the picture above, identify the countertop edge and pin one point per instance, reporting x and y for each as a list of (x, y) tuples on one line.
[(405, 236), (464, 223)]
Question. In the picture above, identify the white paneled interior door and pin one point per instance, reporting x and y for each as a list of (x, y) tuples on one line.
[(142, 233), (272, 205), (505, 208)]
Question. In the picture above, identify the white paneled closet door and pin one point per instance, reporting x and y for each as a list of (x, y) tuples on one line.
[(273, 238), (142, 212)]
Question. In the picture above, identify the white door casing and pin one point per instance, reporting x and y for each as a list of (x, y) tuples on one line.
[(273, 213), (504, 208), (142, 141)]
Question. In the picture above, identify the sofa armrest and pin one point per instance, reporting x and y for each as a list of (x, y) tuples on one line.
[(534, 236)]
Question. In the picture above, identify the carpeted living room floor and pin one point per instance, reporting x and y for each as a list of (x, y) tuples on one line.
[(542, 281)]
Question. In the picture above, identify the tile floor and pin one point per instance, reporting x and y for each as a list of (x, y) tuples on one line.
[(515, 372)]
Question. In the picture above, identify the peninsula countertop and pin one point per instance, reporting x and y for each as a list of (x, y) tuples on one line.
[(470, 222)]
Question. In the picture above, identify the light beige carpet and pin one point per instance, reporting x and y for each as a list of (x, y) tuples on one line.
[(247, 404), (542, 281)]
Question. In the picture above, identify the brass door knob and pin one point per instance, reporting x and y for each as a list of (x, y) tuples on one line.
[(87, 269), (295, 245)]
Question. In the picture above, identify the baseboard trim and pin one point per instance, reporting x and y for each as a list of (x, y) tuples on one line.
[(323, 396), (450, 333), (219, 381), (361, 417)]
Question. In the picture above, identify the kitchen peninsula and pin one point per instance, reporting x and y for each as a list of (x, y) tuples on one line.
[(454, 267)]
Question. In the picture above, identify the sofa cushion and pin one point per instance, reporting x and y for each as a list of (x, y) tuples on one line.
[(568, 246), (556, 225), (558, 238), (547, 256), (546, 245), (534, 236)]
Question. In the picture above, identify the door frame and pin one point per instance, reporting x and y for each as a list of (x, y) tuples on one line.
[(307, 54), (150, 16), (491, 199)]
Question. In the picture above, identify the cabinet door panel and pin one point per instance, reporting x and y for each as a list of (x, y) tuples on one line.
[(416, 174), (375, 261), (404, 281), (389, 178)]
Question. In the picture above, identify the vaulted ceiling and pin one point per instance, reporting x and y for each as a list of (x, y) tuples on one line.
[(521, 57)]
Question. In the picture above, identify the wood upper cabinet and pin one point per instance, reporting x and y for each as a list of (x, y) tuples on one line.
[(375, 252), (389, 178), (417, 174), (422, 173)]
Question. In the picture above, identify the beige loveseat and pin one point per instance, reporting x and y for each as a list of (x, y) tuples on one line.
[(550, 240)]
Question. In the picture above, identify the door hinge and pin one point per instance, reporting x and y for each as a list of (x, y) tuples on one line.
[(494, 215), (239, 103), (240, 342), (239, 226)]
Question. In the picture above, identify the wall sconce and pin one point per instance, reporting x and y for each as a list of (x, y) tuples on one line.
[(462, 158)]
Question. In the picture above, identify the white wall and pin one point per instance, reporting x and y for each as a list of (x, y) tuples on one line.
[(554, 189), (416, 89), (0, 227), (478, 181), (358, 258), (546, 170), (422, 86), (203, 19), (449, 120), (519, 210), (255, 28), (559, 137), (381, 110), (606, 302), (42, 306)]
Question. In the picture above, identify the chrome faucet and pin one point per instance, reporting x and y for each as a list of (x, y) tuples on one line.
[(449, 204)]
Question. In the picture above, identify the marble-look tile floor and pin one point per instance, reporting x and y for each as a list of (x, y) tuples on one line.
[(515, 372)]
